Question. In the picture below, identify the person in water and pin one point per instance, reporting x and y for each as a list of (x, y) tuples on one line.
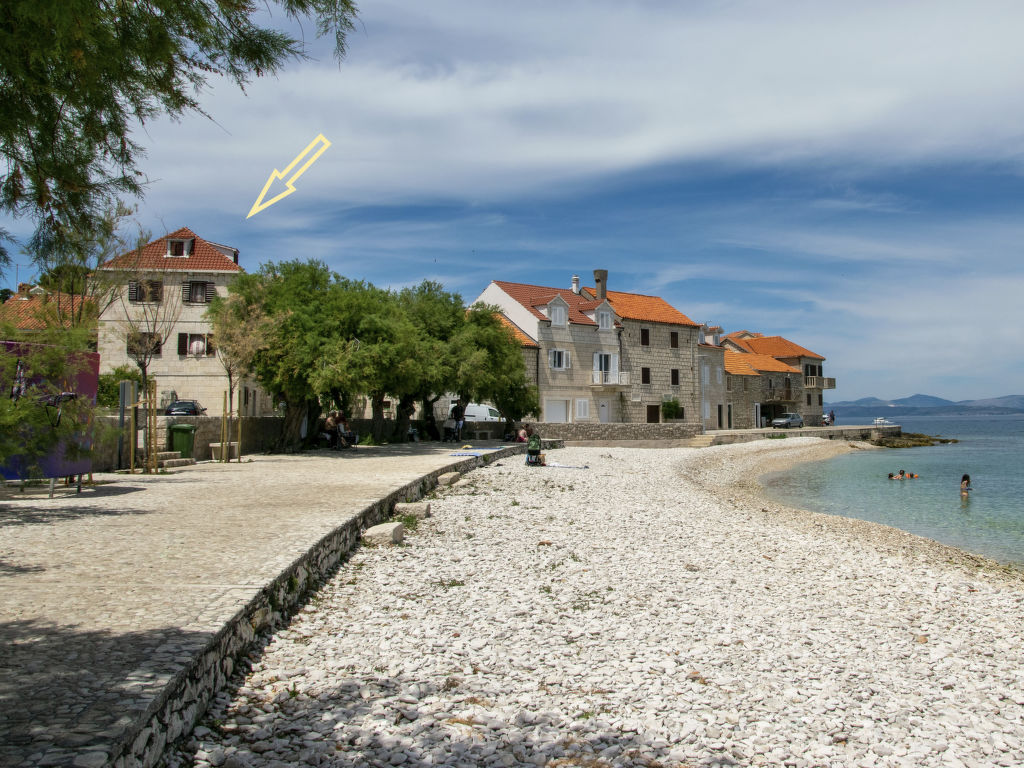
[(965, 485)]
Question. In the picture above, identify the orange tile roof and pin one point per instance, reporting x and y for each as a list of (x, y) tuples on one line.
[(29, 314), (737, 335), (518, 332), (765, 363), (205, 256), (777, 346), (737, 364), (652, 309)]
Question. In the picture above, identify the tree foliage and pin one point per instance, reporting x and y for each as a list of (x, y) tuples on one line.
[(77, 76), (327, 339)]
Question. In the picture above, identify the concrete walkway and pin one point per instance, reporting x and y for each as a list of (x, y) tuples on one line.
[(107, 595)]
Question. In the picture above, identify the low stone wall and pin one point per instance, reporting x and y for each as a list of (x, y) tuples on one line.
[(616, 431), (188, 694), (864, 432), (259, 435)]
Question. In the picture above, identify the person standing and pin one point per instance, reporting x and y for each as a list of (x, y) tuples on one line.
[(965, 485), (831, 418), (459, 417)]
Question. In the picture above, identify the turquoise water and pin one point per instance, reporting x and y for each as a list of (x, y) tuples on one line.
[(989, 522)]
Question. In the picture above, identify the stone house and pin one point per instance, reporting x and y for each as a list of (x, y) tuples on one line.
[(600, 356), (790, 378), (158, 299)]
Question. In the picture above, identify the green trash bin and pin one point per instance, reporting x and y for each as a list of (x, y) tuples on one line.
[(181, 438)]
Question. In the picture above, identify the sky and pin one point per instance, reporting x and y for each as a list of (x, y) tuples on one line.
[(847, 175)]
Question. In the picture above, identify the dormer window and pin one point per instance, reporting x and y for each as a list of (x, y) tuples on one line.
[(179, 248), (559, 315), (604, 320)]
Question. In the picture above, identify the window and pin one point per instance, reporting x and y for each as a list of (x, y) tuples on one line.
[(582, 408), (196, 344), (819, 400), (728, 383), (179, 247), (645, 337), (675, 377), (558, 359), (718, 374), (705, 375), (808, 398), (559, 315), (145, 291), (604, 320), (673, 339), (144, 344), (645, 375), (198, 292)]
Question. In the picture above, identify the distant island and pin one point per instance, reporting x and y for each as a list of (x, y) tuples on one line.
[(928, 405)]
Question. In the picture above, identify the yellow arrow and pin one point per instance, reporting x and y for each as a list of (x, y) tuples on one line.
[(260, 205)]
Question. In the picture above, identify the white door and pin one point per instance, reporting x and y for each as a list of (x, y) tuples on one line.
[(556, 411), (604, 410)]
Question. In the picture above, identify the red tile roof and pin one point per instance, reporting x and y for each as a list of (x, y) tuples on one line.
[(533, 296), (30, 314), (205, 256), (518, 332), (631, 306), (764, 363)]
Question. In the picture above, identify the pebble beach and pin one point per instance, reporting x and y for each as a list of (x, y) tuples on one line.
[(637, 607)]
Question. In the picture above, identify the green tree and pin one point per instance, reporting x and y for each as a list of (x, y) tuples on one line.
[(76, 76), (240, 331), (489, 365), (108, 391)]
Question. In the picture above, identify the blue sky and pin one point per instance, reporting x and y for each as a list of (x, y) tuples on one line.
[(848, 175)]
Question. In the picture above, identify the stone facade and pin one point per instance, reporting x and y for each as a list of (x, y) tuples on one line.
[(186, 365)]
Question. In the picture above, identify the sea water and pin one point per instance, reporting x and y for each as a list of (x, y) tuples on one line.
[(990, 521)]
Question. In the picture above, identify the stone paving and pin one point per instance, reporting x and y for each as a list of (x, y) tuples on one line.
[(106, 595)]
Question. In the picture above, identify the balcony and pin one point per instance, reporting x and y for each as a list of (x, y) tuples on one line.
[(819, 382), (610, 379), (778, 396)]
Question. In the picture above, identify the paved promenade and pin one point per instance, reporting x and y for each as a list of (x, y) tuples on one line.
[(106, 595)]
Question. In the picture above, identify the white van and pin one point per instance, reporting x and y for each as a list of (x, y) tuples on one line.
[(478, 412)]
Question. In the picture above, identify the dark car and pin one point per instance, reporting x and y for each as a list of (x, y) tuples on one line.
[(788, 420), (185, 408)]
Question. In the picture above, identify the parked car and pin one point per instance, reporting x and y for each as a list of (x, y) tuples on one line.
[(478, 412), (787, 420), (185, 408)]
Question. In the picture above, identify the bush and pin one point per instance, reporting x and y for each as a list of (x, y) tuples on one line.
[(108, 390), (670, 409)]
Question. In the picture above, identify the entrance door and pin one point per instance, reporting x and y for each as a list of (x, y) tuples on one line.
[(653, 414), (604, 411), (757, 414)]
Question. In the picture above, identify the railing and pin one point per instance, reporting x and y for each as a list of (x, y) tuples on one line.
[(778, 396), (819, 382), (611, 377)]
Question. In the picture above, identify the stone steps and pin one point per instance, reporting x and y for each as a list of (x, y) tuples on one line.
[(700, 441), (169, 459)]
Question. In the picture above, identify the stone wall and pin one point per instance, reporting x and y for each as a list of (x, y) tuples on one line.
[(617, 431), (660, 358), (188, 694)]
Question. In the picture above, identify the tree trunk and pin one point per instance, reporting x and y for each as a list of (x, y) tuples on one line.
[(291, 434), (377, 406), (430, 427), (406, 407)]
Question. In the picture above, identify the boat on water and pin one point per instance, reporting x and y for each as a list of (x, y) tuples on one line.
[(881, 421)]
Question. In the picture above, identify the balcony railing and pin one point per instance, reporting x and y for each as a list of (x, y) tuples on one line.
[(819, 382), (603, 378)]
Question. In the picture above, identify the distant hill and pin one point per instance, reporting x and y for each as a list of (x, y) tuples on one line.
[(927, 405)]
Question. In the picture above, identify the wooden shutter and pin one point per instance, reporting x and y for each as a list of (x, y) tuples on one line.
[(210, 349), (186, 291), (133, 290), (182, 343), (565, 359), (211, 292)]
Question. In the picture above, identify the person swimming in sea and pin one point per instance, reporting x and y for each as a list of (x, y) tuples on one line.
[(965, 485)]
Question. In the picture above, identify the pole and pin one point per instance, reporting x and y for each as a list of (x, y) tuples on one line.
[(134, 440), (239, 438), (224, 427)]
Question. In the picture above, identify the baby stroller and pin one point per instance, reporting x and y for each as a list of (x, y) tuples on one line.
[(534, 458), (449, 431)]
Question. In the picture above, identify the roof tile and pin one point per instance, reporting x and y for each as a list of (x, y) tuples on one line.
[(205, 257)]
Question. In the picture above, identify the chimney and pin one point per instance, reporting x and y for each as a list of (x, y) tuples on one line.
[(601, 283), (575, 283), (23, 289)]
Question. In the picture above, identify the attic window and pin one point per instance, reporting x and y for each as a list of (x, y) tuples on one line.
[(179, 247), (559, 315), (604, 320)]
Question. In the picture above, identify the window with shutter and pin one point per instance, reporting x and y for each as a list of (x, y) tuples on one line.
[(210, 350), (182, 343), (133, 291), (186, 291), (211, 292)]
